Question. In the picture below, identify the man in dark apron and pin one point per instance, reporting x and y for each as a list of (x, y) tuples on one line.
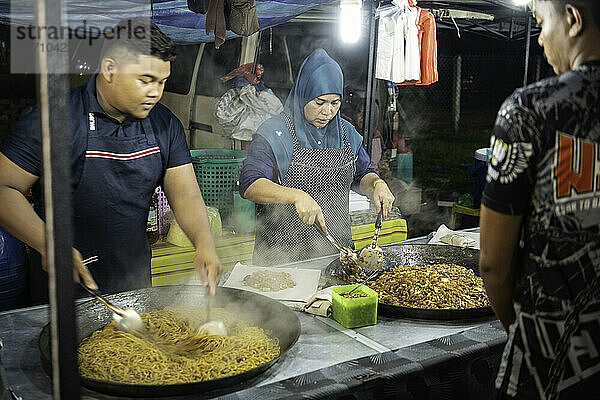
[(124, 144), (300, 168)]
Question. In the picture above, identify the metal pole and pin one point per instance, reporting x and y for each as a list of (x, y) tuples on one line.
[(371, 81), (457, 91), (512, 27), (527, 46), (56, 181), (256, 52)]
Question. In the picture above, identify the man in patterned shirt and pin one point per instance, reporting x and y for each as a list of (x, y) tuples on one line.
[(540, 215)]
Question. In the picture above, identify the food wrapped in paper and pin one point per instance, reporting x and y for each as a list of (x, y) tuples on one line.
[(457, 239), (319, 303)]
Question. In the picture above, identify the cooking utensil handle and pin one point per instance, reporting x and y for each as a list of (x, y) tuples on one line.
[(208, 302), (379, 219), (378, 223), (328, 237), (98, 295), (95, 293), (365, 281)]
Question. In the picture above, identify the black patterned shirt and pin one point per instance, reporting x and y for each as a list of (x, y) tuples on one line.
[(545, 166)]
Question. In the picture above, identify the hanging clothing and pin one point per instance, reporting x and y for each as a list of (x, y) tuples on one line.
[(326, 175), (428, 41), (428, 52), (215, 21), (406, 45), (239, 16), (389, 64), (412, 49), (198, 6), (398, 57)]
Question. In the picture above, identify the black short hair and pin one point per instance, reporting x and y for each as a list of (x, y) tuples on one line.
[(592, 6), (135, 36)]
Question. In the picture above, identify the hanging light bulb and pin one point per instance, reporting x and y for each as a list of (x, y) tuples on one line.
[(350, 20)]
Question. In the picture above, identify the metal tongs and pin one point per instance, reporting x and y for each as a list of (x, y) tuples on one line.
[(348, 258), (371, 256), (362, 283), (127, 320)]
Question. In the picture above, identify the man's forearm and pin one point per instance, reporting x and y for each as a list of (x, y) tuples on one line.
[(19, 219), (265, 191), (498, 260)]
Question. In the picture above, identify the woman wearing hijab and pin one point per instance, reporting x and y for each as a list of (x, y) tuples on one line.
[(300, 168)]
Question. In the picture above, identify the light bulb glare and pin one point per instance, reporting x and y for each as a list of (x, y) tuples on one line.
[(350, 22)]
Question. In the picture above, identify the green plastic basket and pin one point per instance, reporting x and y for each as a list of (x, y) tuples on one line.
[(217, 172)]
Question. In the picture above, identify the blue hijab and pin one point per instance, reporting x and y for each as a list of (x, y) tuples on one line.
[(319, 74)]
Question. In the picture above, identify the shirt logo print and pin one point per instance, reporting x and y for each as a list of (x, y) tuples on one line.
[(508, 160), (576, 167), (92, 120)]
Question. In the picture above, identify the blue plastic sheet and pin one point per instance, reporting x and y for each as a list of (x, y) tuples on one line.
[(172, 16)]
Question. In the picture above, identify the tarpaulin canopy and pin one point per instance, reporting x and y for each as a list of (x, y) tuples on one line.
[(173, 16)]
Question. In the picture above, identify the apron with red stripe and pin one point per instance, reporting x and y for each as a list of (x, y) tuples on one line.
[(111, 203)]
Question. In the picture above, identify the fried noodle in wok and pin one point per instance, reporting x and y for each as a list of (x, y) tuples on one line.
[(173, 351), (434, 286)]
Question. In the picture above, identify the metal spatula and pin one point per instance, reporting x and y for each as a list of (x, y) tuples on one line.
[(210, 327), (371, 256)]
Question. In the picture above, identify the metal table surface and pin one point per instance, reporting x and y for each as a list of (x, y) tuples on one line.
[(327, 361)]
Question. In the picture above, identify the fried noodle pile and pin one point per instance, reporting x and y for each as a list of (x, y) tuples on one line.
[(173, 351)]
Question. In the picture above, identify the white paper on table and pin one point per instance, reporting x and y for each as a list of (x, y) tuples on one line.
[(472, 238), (306, 280)]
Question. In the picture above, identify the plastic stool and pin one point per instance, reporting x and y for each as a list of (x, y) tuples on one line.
[(458, 209)]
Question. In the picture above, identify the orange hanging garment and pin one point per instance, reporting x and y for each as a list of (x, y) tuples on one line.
[(429, 72)]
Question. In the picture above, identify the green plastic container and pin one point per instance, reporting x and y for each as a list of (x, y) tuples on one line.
[(217, 172), (355, 312)]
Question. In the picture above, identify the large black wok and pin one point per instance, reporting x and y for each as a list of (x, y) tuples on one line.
[(420, 254), (255, 308)]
